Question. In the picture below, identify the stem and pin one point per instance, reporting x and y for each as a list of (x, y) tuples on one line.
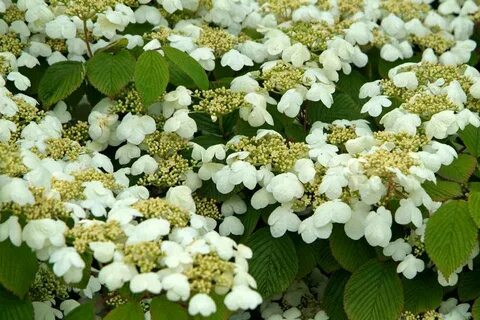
[(87, 38)]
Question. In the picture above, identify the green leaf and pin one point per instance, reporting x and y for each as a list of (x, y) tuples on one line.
[(82, 312), (13, 308), (350, 254), (460, 169), (110, 73), (306, 256), (374, 292), (351, 84), (18, 266), (274, 264), (184, 70), (205, 124), (443, 190), (163, 309), (469, 285), (450, 236), (333, 296), (343, 107), (422, 293), (476, 310), (128, 311), (474, 206), (249, 220), (59, 81), (151, 76), (471, 138), (324, 257), (208, 140)]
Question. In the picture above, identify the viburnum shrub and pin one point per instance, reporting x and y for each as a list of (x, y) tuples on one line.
[(239, 159)]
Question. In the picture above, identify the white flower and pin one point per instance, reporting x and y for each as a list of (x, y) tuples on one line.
[(239, 172), (181, 124), (45, 311), (374, 106), (175, 255), (232, 205), (126, 153), (146, 282), (148, 230), (377, 229), (235, 60), (305, 170), (134, 128), (321, 92), (370, 89), (256, 113), (231, 225), (331, 211), (145, 164), (410, 266), (408, 213), (441, 125), (405, 80), (201, 303), (394, 26), (21, 82), (282, 219), (397, 249), (290, 103), (102, 250), (61, 28), (297, 54), (285, 187), (114, 275), (242, 297), (177, 286), (42, 233), (68, 264), (204, 57), (12, 230), (16, 190)]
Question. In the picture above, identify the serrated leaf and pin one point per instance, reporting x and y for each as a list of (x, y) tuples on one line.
[(374, 292), (274, 264), (474, 206), (333, 296), (59, 81), (450, 236), (82, 312), (471, 138), (184, 70), (151, 76), (422, 293), (163, 309), (469, 285), (343, 107), (128, 311), (109, 73), (350, 254), (13, 308), (443, 190), (460, 169), (18, 266)]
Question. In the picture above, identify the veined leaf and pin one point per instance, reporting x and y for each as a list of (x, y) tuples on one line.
[(184, 70), (443, 190), (469, 285), (422, 293), (474, 206), (60, 80), (450, 236), (18, 266), (333, 296), (151, 76), (471, 138), (350, 254), (14, 308), (460, 169), (82, 312), (128, 311), (274, 264), (374, 292), (163, 309), (109, 73)]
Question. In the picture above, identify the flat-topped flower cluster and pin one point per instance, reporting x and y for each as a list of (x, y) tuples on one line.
[(125, 196)]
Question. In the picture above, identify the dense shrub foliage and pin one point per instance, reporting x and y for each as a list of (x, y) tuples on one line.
[(239, 159)]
